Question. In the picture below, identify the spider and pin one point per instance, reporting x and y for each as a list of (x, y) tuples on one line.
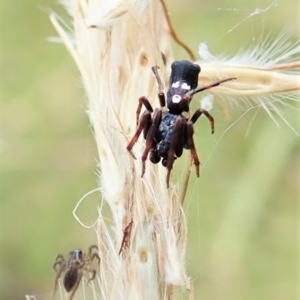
[(77, 264), (168, 131)]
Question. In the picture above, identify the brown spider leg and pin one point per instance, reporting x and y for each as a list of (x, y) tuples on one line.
[(59, 260), (191, 145), (181, 140), (93, 274), (161, 94), (145, 119), (200, 89), (150, 136), (198, 113), (95, 255), (176, 139), (91, 249), (59, 271), (145, 101)]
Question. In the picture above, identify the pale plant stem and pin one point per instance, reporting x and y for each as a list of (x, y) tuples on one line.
[(115, 44)]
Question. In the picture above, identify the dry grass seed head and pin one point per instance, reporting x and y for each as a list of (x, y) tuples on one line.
[(116, 44)]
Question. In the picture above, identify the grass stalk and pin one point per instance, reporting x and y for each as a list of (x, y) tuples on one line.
[(115, 44)]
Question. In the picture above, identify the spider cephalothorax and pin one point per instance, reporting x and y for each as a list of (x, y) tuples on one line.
[(168, 131), (74, 269), (184, 78)]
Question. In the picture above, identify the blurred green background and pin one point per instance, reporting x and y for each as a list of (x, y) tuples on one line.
[(242, 213)]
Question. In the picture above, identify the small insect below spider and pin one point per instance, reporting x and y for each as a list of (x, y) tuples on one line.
[(74, 269), (167, 132), (126, 237)]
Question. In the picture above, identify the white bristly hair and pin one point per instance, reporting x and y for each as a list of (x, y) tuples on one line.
[(268, 75)]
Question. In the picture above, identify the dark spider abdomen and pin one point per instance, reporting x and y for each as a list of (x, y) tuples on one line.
[(163, 138), (165, 133), (70, 279)]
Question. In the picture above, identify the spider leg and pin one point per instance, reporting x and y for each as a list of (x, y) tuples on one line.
[(190, 94), (93, 272), (198, 113), (175, 145), (181, 138), (59, 261), (145, 119), (95, 255), (191, 145), (143, 101), (91, 249), (150, 136), (146, 128), (161, 94)]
